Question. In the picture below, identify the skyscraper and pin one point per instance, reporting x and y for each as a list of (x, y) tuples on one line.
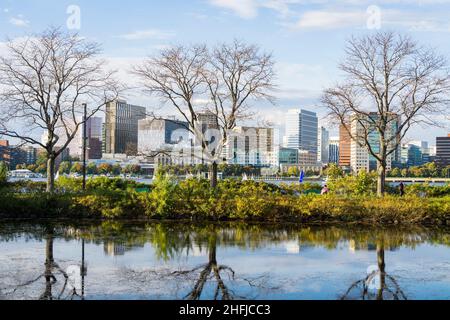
[(333, 152), (411, 155), (301, 130), (208, 120), (323, 146), (121, 127), (93, 141), (156, 134), (94, 137), (251, 146), (424, 149), (443, 151), (360, 157), (5, 152), (345, 142)]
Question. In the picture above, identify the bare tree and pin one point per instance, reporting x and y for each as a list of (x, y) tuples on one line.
[(45, 80), (391, 85), (220, 82)]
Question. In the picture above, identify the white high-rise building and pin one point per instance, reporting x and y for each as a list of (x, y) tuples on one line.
[(161, 134), (301, 130), (323, 146), (251, 146)]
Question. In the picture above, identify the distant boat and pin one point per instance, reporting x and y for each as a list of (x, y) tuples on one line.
[(22, 174)]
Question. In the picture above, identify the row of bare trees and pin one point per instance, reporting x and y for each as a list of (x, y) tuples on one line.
[(47, 78), (391, 84)]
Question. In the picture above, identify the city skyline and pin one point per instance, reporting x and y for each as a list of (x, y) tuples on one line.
[(296, 32)]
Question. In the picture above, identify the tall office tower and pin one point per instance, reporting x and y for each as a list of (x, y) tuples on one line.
[(360, 158), (5, 154), (411, 155), (93, 141), (121, 127), (333, 152), (22, 156), (424, 149), (207, 120), (323, 146), (423, 145), (209, 124), (159, 134), (345, 143), (251, 146), (94, 138), (301, 130), (443, 151)]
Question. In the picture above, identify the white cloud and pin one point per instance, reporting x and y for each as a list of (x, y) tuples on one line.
[(19, 21), (331, 19), (147, 34), (244, 8), (349, 13), (249, 8)]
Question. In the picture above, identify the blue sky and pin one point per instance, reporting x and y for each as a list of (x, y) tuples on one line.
[(306, 37)]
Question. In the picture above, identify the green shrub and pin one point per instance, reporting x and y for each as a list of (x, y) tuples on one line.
[(361, 184), (231, 200), (163, 197), (425, 190), (64, 184)]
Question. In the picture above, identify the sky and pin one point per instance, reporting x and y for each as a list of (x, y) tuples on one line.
[(306, 37)]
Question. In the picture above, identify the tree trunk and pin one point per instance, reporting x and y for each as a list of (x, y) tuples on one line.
[(213, 174), (382, 269), (381, 181), (51, 174), (49, 263)]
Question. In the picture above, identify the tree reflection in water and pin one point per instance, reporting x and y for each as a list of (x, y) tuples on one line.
[(53, 275), (378, 285), (210, 279), (170, 244), (217, 273)]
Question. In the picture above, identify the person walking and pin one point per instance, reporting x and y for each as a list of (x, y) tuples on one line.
[(325, 190), (402, 189)]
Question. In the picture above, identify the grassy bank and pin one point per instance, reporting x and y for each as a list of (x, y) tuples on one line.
[(194, 200)]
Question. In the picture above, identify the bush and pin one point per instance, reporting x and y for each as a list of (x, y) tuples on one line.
[(231, 200), (425, 190), (64, 184), (361, 184), (162, 199)]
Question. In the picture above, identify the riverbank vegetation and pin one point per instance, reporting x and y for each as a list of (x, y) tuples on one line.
[(429, 170), (351, 200)]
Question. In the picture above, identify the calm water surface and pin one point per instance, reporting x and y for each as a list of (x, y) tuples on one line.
[(230, 261)]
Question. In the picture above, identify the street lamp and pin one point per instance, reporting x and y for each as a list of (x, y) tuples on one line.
[(84, 145)]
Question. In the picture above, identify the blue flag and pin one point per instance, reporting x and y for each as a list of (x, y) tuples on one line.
[(302, 176)]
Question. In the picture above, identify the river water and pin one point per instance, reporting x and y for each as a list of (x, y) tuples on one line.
[(151, 260)]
